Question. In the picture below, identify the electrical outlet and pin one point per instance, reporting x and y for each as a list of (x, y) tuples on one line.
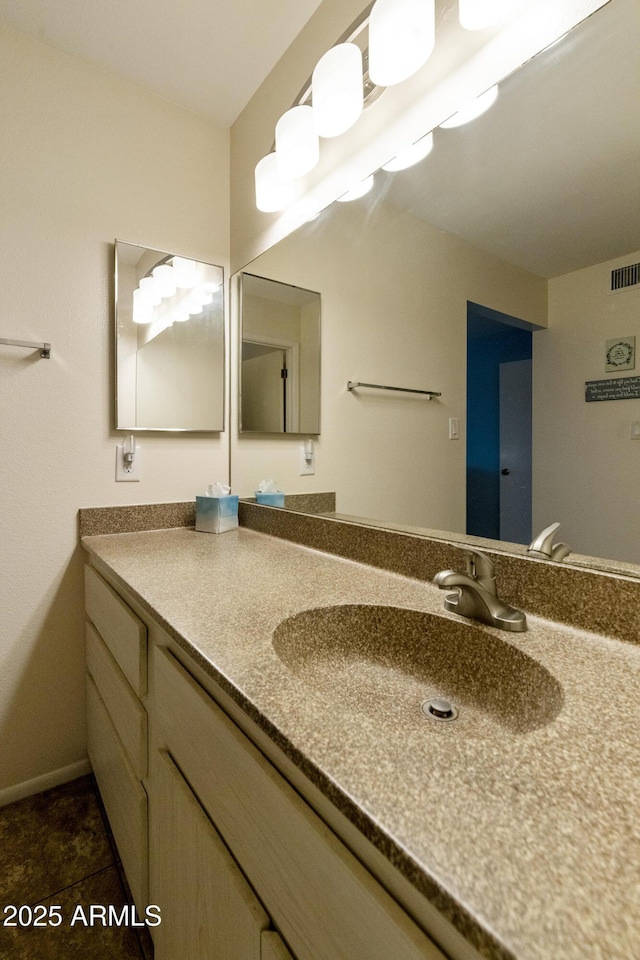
[(128, 471)]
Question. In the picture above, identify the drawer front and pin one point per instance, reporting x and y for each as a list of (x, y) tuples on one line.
[(125, 710), (324, 902), (122, 794), (123, 632)]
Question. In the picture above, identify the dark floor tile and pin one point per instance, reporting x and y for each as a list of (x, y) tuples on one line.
[(50, 841), (78, 941)]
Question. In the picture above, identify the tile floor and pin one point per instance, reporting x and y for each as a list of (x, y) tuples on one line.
[(55, 850)]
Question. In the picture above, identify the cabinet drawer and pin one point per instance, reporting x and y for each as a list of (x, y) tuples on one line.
[(122, 794), (324, 902), (123, 632), (125, 710)]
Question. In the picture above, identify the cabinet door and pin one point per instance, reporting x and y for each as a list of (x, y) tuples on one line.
[(322, 900), (209, 911), (273, 947)]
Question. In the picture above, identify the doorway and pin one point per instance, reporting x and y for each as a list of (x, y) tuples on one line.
[(269, 386), (499, 415)]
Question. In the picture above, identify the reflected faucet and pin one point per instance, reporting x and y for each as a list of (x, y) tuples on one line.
[(544, 548), (476, 595)]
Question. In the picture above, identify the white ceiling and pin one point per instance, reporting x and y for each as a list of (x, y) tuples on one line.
[(207, 55)]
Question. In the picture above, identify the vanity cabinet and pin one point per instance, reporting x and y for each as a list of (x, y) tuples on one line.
[(224, 820), (116, 651)]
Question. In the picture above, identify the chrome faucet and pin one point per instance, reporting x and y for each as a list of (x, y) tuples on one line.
[(476, 595), (544, 548)]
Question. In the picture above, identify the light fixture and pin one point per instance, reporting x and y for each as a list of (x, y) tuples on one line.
[(297, 144), (413, 154), (473, 109), (273, 191), (358, 191), (401, 38), (480, 14), (337, 96)]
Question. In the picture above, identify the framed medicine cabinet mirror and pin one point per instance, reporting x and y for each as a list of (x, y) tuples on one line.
[(169, 341), (279, 357)]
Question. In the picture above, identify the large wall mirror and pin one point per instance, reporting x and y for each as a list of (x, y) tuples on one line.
[(500, 244), (169, 341), (279, 357)]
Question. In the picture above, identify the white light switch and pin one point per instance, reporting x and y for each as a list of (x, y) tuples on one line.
[(453, 428), (635, 430)]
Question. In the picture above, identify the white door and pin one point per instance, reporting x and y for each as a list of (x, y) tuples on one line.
[(263, 396), (515, 451)]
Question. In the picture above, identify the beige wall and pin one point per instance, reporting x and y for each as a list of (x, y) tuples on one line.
[(586, 468), (393, 311), (84, 158)]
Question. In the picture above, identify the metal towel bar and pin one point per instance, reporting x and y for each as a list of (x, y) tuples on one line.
[(44, 348), (352, 384)]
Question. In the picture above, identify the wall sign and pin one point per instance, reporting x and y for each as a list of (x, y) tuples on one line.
[(620, 388), (621, 354)]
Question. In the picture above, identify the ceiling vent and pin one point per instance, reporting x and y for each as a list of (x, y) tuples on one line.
[(625, 278)]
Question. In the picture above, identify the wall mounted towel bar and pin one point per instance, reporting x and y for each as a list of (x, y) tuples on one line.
[(352, 384), (44, 348)]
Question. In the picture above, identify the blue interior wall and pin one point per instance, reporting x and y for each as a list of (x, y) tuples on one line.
[(489, 343)]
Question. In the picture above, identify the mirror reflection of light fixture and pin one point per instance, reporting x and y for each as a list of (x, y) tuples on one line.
[(297, 144), (473, 109), (360, 190), (273, 191), (480, 14), (412, 155), (337, 90), (402, 35), (159, 299)]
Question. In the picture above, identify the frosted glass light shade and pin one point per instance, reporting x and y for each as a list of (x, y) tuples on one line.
[(273, 191), (337, 90), (142, 310), (412, 155), (475, 108), (402, 35), (479, 14), (297, 143), (149, 291), (184, 272), (163, 276)]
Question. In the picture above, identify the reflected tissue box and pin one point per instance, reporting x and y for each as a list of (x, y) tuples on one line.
[(216, 514), (275, 499)]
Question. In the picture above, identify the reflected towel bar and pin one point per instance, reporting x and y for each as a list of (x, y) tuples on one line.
[(44, 348), (352, 384)]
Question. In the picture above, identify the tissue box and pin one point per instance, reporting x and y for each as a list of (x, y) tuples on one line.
[(271, 499), (216, 514)]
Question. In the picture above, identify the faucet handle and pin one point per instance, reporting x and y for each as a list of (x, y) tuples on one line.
[(543, 547), (480, 567)]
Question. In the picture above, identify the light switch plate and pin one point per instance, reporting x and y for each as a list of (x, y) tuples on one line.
[(307, 464)]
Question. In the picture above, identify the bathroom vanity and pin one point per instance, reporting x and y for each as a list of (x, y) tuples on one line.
[(290, 797)]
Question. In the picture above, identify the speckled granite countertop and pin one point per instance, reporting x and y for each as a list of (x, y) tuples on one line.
[(525, 835)]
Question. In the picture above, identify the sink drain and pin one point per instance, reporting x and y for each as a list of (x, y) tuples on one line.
[(439, 709)]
